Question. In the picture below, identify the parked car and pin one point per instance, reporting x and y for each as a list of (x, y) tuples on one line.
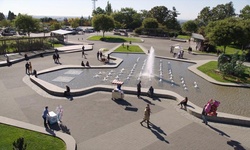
[(89, 30)]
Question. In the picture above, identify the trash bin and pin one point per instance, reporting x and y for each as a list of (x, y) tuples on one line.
[(52, 118)]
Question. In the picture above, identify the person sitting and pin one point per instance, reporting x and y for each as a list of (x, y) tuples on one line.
[(67, 92), (189, 49), (87, 64), (151, 92), (184, 103), (82, 64)]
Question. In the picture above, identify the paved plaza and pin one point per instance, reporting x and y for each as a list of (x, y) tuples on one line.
[(97, 122)]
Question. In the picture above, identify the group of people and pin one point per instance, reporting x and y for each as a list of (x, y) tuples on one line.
[(180, 54), (46, 115), (150, 92), (99, 55), (28, 68), (85, 65)]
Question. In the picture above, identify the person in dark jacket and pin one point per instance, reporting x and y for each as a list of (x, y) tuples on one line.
[(183, 103)]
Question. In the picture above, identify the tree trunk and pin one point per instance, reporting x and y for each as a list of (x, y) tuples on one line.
[(103, 33)]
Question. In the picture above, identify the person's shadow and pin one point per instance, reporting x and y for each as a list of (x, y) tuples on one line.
[(219, 131), (50, 131), (157, 132), (64, 128), (158, 129), (236, 145), (147, 101)]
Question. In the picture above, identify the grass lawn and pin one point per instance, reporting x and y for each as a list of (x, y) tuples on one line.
[(58, 45), (186, 37), (114, 39), (131, 49), (34, 140), (210, 69), (229, 49)]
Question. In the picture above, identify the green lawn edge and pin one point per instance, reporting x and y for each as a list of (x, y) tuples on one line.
[(129, 49), (211, 70), (34, 140), (119, 39)]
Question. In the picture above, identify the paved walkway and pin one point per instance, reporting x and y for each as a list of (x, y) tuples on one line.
[(96, 122)]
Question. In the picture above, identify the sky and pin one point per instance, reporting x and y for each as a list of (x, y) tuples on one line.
[(188, 9)]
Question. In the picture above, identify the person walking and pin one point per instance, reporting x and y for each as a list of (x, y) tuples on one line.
[(139, 89), (30, 68), (83, 54), (204, 115), (27, 68), (45, 115), (146, 117)]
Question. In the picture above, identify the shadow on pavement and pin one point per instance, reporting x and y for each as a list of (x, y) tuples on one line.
[(58, 127), (122, 102), (219, 131), (156, 98), (190, 106), (64, 128), (158, 129), (129, 108), (50, 131), (236, 145), (147, 101), (157, 132)]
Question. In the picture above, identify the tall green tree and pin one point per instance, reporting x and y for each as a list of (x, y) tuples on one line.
[(26, 23), (11, 16), (243, 36), (222, 32), (190, 26), (172, 23), (2, 16), (55, 25), (5, 23), (205, 16), (150, 23), (103, 22), (74, 22), (98, 11), (126, 16), (160, 13), (219, 12), (108, 9), (245, 12), (145, 14)]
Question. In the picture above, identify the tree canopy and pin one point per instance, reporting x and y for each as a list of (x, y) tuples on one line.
[(219, 12), (150, 23), (103, 22), (245, 12), (26, 23), (190, 26)]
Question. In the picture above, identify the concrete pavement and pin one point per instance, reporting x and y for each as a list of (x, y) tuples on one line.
[(96, 122)]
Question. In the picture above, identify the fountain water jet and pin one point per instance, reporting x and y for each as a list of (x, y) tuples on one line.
[(149, 68)]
